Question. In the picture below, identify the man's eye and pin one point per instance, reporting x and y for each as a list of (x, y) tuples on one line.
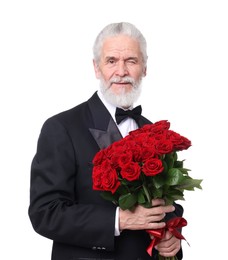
[(111, 61), (131, 61)]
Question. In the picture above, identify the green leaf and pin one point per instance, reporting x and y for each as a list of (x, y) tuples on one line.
[(147, 193), (127, 201), (141, 197), (157, 193), (189, 184), (174, 194), (169, 159), (159, 180), (165, 165), (146, 204), (124, 182), (168, 201), (123, 189), (174, 177), (184, 170)]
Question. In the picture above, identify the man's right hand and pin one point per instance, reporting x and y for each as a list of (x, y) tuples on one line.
[(145, 218)]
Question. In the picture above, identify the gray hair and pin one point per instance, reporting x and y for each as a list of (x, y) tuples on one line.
[(115, 29)]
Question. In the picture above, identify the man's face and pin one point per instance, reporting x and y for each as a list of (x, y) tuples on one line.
[(121, 66)]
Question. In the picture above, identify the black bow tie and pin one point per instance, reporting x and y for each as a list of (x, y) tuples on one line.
[(122, 114)]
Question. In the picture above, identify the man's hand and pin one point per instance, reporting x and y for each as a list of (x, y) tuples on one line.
[(169, 245), (145, 218)]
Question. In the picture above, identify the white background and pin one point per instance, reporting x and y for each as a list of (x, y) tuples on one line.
[(46, 67)]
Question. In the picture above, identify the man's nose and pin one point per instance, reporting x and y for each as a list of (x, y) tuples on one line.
[(121, 69)]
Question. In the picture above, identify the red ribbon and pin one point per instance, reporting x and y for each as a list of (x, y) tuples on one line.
[(172, 225)]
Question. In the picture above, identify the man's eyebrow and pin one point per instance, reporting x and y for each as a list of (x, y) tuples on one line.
[(110, 57), (132, 58), (115, 58)]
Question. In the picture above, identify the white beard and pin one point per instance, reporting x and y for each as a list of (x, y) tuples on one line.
[(124, 98)]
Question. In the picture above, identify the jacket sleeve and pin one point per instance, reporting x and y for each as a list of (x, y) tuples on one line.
[(54, 210)]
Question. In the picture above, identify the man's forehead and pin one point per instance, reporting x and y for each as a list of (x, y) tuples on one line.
[(120, 45)]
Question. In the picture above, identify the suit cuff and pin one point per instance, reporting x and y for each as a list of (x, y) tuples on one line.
[(117, 229)]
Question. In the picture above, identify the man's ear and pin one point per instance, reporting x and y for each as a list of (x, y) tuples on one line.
[(96, 69), (144, 71)]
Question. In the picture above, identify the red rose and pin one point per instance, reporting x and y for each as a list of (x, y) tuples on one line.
[(105, 178), (131, 171), (137, 153), (157, 127), (184, 145), (135, 132), (124, 158), (152, 167), (148, 152), (161, 125), (163, 146), (179, 142), (130, 144), (97, 177), (99, 157), (174, 137), (114, 156)]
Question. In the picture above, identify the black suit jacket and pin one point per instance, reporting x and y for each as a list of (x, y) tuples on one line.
[(63, 205)]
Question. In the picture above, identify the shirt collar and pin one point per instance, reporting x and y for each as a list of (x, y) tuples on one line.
[(110, 107)]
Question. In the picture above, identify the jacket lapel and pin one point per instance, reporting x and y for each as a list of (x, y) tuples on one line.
[(143, 121), (105, 138), (105, 131)]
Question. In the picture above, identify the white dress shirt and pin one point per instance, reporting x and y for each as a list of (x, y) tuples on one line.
[(124, 127)]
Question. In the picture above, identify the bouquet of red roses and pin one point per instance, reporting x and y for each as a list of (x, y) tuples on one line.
[(142, 166)]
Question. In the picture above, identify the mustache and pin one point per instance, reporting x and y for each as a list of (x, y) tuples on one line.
[(122, 80)]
